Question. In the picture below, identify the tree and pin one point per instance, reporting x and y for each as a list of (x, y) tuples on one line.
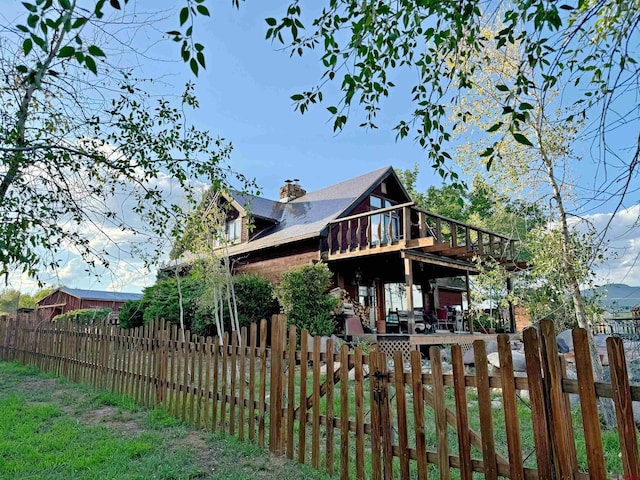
[(365, 47), (82, 143)]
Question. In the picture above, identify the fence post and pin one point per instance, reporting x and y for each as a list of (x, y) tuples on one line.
[(563, 447), (276, 437)]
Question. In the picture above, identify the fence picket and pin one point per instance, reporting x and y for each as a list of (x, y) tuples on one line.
[(440, 413), (624, 408), (418, 413), (253, 336), (329, 444), (557, 411), (589, 405), (484, 410), (401, 413), (359, 394), (242, 379), (263, 379), (512, 424), (234, 383), (539, 417), (291, 392), (315, 424), (344, 412), (376, 434), (462, 413), (302, 425)]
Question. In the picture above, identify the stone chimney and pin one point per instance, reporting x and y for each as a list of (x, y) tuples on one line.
[(291, 190)]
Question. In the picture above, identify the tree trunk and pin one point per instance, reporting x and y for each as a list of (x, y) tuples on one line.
[(606, 405)]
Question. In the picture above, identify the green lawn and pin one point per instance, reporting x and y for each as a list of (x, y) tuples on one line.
[(54, 429)]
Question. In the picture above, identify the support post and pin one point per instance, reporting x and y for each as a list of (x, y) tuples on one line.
[(469, 319), (408, 280)]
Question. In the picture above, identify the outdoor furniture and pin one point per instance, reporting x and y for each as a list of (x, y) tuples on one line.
[(393, 321)]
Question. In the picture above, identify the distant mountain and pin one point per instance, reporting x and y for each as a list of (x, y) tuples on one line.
[(616, 297)]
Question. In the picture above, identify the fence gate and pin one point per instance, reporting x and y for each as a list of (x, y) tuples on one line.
[(381, 425)]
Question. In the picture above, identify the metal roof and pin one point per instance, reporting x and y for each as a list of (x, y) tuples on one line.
[(306, 216), (101, 295)]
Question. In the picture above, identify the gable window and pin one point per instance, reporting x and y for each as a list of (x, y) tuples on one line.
[(233, 230), (385, 227)]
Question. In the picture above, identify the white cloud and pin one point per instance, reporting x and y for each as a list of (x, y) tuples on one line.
[(623, 242)]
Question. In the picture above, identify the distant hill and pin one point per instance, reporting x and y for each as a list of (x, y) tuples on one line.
[(617, 298)]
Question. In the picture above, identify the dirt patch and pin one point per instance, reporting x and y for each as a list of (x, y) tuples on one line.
[(114, 419)]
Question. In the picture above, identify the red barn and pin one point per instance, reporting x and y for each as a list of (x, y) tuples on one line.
[(64, 300)]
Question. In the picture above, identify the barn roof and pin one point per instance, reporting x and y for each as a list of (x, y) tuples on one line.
[(98, 295)]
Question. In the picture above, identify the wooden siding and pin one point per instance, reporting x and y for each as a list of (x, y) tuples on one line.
[(61, 302), (272, 267)]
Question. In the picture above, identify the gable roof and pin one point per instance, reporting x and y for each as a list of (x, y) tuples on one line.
[(98, 295), (309, 215)]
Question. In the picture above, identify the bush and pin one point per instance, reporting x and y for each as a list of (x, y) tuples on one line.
[(254, 296), (302, 293), (131, 314), (84, 316), (161, 301)]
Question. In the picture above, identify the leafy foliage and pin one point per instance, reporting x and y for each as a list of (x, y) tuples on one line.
[(302, 293), (161, 301), (79, 132), (84, 315), (255, 298), (131, 314), (365, 46)]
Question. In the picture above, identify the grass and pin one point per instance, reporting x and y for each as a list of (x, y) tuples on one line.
[(54, 429)]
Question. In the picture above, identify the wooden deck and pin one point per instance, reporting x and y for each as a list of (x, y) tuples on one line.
[(407, 228)]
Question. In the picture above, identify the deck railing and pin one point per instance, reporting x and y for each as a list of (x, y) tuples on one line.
[(406, 226)]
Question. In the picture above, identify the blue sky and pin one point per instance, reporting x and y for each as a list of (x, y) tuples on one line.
[(244, 96)]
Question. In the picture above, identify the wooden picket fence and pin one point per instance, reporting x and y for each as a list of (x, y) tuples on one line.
[(357, 414)]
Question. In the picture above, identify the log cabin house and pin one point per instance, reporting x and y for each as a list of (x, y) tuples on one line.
[(410, 267)]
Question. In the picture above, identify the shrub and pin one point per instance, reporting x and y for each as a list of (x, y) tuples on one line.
[(162, 301), (254, 296), (302, 293), (131, 314), (85, 315)]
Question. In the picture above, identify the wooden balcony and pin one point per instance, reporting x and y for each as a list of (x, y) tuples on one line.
[(406, 227)]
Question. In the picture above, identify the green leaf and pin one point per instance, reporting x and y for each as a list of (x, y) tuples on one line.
[(22, 69), (202, 10), (522, 139), (333, 110), (30, 7), (66, 51), (65, 4), (194, 66), (79, 22), (297, 97), (32, 21), (27, 46), (502, 88), (526, 106), (184, 15), (91, 64), (115, 4), (495, 127), (272, 22), (96, 51)]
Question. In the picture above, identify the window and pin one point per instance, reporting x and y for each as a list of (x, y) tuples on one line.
[(234, 229), (380, 223)]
